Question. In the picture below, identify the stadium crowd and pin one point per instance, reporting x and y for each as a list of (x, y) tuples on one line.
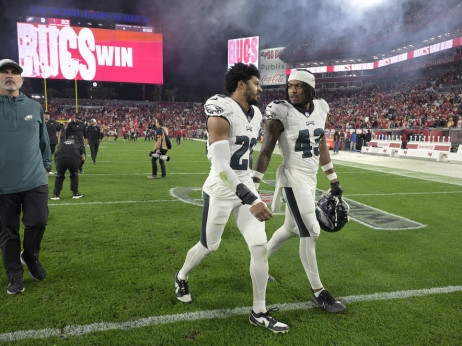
[(404, 103), (128, 118), (410, 102)]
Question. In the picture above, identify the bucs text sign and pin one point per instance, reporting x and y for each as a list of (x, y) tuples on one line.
[(243, 50)]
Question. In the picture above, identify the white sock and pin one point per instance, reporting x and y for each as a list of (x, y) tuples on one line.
[(316, 294), (278, 239), (259, 275), (194, 257), (308, 257)]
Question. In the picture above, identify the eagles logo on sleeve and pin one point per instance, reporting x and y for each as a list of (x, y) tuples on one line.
[(212, 109), (270, 114), (276, 109), (218, 106)]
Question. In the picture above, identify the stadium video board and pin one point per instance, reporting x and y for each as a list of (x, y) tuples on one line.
[(58, 51)]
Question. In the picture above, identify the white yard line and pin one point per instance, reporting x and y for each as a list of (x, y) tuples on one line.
[(147, 173), (176, 198), (77, 330), (111, 202)]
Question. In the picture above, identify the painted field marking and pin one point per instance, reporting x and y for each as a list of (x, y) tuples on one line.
[(364, 214), (77, 330)]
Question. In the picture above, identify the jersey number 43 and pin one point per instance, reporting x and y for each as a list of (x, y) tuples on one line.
[(303, 142)]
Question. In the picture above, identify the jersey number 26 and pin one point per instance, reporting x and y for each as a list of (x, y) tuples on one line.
[(247, 144)]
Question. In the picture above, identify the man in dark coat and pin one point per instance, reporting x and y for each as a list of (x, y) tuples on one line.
[(94, 136), (77, 127), (68, 157), (54, 132)]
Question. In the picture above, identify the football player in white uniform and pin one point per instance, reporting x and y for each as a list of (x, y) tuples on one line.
[(298, 124), (233, 125)]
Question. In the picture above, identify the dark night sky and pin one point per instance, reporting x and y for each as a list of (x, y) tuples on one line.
[(196, 31)]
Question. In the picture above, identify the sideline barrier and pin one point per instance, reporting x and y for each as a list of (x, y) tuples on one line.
[(376, 151), (457, 156), (421, 150)]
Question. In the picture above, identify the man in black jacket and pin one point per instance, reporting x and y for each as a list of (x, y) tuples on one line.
[(54, 132), (94, 136), (77, 128), (68, 157), (336, 141)]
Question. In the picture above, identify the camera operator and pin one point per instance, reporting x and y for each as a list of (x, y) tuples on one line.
[(160, 148)]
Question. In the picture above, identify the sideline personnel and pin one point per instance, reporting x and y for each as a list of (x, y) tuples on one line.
[(77, 128), (54, 132), (68, 157), (160, 147), (94, 137), (25, 158)]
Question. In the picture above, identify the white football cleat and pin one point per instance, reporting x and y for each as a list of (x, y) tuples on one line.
[(264, 319), (182, 290)]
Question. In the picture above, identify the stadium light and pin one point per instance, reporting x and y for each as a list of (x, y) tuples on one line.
[(364, 4)]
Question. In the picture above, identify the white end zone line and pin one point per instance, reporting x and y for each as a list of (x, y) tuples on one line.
[(76, 330)]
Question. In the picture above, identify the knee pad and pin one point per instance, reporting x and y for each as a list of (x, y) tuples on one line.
[(315, 229), (259, 251), (212, 246), (312, 224)]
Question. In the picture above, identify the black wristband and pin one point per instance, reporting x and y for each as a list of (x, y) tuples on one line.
[(245, 195)]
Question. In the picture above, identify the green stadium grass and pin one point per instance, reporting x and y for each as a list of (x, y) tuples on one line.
[(111, 257)]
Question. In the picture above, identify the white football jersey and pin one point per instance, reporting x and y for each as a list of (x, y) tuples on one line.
[(299, 142), (242, 137)]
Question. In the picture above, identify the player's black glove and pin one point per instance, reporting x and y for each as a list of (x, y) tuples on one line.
[(336, 190)]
